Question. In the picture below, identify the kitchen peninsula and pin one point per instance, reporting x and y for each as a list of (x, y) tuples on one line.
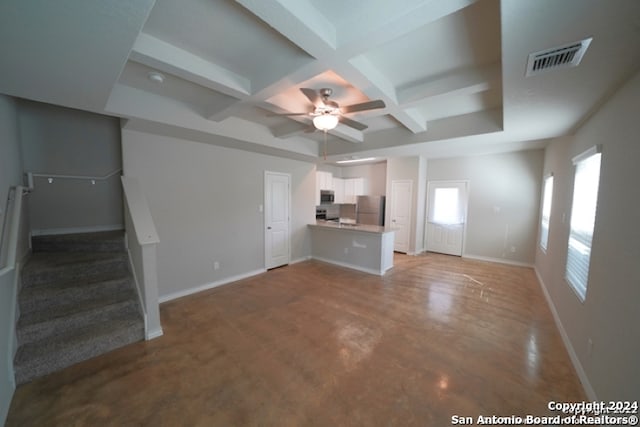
[(363, 247)]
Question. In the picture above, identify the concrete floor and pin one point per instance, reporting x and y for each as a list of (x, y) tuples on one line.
[(312, 344)]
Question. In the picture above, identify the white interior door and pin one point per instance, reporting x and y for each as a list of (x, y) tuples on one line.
[(277, 199), (401, 192), (446, 216)]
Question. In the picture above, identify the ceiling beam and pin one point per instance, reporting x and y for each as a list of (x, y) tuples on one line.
[(296, 20), (304, 25), (458, 82), (362, 73), (158, 54), (288, 129)]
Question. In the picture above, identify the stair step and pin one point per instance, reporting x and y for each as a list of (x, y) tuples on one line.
[(54, 353), (104, 241), (78, 291), (41, 324), (50, 267), (77, 301)]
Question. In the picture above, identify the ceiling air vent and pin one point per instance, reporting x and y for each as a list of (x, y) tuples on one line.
[(565, 56)]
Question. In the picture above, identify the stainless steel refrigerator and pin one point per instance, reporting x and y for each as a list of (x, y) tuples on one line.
[(370, 210)]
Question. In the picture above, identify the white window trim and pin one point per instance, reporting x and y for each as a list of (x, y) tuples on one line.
[(586, 154), (544, 181), (596, 149)]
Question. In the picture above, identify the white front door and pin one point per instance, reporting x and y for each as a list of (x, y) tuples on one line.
[(446, 216), (277, 199), (401, 192)]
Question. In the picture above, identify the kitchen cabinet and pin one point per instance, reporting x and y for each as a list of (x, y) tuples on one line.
[(353, 187), (366, 248), (338, 189), (324, 180)]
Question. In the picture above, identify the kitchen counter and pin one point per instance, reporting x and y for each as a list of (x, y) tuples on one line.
[(352, 226), (362, 247)]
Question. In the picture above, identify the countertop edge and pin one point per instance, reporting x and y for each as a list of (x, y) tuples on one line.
[(371, 229)]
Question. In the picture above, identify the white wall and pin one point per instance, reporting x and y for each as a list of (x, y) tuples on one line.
[(63, 141), (610, 315), (375, 177), (504, 200), (10, 174), (205, 202)]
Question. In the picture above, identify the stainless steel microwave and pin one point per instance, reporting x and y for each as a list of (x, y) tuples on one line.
[(327, 197)]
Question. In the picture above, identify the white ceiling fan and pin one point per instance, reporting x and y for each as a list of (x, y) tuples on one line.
[(326, 113)]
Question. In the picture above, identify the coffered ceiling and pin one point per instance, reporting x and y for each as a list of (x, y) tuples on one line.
[(450, 72)]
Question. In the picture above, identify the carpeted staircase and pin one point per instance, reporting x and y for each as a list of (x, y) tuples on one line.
[(78, 300)]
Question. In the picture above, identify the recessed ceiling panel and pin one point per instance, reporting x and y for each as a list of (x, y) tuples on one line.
[(226, 34), (467, 38), (294, 101), (439, 107), (200, 99), (348, 16)]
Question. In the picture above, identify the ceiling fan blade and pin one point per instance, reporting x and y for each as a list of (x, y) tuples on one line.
[(369, 105), (313, 96), (352, 123), (286, 114), (310, 129)]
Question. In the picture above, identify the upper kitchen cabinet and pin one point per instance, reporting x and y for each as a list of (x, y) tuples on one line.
[(338, 189), (353, 187), (324, 180)]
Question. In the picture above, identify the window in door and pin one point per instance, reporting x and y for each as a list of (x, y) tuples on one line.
[(583, 216), (447, 207), (546, 212)]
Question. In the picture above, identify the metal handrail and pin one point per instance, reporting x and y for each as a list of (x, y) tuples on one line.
[(30, 176)]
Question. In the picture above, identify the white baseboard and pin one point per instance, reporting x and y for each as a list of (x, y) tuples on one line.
[(498, 260), (190, 291), (351, 266), (149, 335), (75, 230), (302, 259), (584, 380)]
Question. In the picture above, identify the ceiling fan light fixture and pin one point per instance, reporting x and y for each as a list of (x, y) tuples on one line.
[(325, 122)]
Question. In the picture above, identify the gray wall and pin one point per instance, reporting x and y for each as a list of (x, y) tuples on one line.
[(610, 315), (504, 200), (205, 200), (63, 141)]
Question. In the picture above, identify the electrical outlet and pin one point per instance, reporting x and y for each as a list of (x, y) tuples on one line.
[(216, 265), (346, 251), (513, 249)]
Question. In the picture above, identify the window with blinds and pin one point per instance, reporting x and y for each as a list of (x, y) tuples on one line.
[(583, 216), (547, 194)]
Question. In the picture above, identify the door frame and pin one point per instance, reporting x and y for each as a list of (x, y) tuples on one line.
[(264, 215), (466, 210)]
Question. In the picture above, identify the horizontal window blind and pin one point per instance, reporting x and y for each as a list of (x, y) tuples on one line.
[(583, 216)]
